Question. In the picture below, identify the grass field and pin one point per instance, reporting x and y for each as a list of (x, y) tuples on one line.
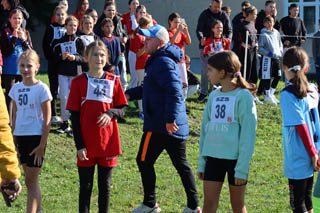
[(267, 190)]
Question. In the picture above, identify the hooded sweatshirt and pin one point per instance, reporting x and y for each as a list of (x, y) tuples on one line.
[(270, 42)]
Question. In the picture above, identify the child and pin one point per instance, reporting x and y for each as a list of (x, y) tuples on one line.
[(31, 124), (93, 13), (68, 53), (179, 35), (62, 3), (96, 99), (270, 47), (228, 132), (193, 81), (300, 126), (13, 42), (111, 42), (86, 30), (54, 32), (217, 42), (82, 7)]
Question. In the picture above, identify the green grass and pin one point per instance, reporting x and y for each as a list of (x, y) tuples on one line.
[(267, 190)]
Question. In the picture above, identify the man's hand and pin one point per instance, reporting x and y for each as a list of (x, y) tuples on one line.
[(172, 128)]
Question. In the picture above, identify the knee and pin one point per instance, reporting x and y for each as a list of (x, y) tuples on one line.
[(31, 182)]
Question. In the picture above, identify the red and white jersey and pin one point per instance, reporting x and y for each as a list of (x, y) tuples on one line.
[(216, 45)]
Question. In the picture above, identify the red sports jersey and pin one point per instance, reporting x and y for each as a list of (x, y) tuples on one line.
[(216, 45), (137, 44), (126, 21), (180, 41), (99, 142)]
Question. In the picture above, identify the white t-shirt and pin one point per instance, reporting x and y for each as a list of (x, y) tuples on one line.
[(29, 117)]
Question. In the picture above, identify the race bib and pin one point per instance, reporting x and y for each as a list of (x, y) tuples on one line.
[(100, 89), (223, 109), (69, 47), (266, 67), (87, 39), (58, 32)]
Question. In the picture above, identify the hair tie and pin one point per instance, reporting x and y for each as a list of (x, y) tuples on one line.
[(236, 74), (295, 68)]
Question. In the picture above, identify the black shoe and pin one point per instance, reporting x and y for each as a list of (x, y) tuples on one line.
[(188, 110), (64, 128), (201, 98)]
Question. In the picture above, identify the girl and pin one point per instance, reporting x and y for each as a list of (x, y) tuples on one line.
[(31, 124), (96, 99), (228, 132), (217, 42), (93, 13), (68, 53), (54, 32), (300, 126), (179, 35), (82, 7), (14, 40), (8, 6)]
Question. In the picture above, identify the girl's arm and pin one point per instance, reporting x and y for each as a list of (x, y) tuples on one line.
[(14, 115), (39, 150), (140, 52), (175, 35), (188, 37), (76, 128), (304, 134), (7, 47), (27, 43)]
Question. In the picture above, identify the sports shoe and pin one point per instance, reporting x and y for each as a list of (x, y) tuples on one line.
[(256, 99), (269, 99), (188, 210), (64, 127), (55, 120), (141, 115), (145, 209), (201, 98), (275, 99)]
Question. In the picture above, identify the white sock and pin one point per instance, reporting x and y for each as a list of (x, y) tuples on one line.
[(272, 91)]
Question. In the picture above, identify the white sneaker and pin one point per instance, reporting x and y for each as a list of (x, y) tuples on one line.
[(188, 210), (256, 99), (145, 209), (55, 120), (275, 99), (269, 99)]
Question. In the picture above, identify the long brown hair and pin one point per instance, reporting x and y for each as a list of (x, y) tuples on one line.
[(214, 23), (296, 56), (230, 63)]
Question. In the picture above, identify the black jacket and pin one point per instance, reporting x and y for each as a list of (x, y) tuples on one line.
[(293, 27), (66, 67), (48, 40), (205, 21)]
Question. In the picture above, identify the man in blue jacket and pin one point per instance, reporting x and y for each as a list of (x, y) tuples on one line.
[(165, 119)]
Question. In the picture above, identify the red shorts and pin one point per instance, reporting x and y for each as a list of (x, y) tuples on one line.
[(101, 161)]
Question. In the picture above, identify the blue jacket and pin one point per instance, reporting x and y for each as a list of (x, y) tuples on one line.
[(162, 95)]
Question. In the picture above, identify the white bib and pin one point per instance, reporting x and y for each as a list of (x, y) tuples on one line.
[(87, 39), (58, 32), (223, 109), (100, 89), (26, 102), (266, 67), (69, 47)]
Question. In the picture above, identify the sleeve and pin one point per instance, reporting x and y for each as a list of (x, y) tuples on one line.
[(248, 123), (27, 44), (9, 166), (200, 26), (74, 99), (292, 114), (7, 46), (184, 38), (116, 112), (206, 49), (76, 128), (45, 94), (135, 93), (261, 49), (46, 41), (80, 51), (12, 93), (242, 33), (304, 30), (57, 53), (134, 22), (303, 132), (170, 82), (205, 120), (228, 44), (227, 28), (119, 97)]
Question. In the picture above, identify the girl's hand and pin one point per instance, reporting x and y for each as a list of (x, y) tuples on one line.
[(39, 153), (200, 175), (21, 35), (71, 57), (315, 160), (15, 33), (104, 120), (239, 181), (180, 27), (65, 56), (82, 154), (203, 41)]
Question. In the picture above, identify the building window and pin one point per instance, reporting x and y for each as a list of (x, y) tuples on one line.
[(309, 13)]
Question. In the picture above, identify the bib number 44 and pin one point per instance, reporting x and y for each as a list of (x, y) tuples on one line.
[(100, 91)]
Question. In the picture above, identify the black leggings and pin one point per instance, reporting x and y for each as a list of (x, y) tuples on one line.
[(86, 175), (301, 195)]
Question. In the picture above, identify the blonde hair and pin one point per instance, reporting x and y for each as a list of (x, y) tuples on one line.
[(85, 18), (30, 54), (97, 44), (59, 7), (71, 18), (16, 11)]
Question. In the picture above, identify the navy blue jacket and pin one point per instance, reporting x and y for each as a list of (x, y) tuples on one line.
[(162, 94)]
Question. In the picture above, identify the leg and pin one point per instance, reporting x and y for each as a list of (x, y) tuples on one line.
[(33, 188), (308, 198), (123, 72), (297, 195), (104, 182), (237, 198), (86, 181), (211, 191), (184, 78), (140, 74), (150, 148), (204, 74), (192, 89), (54, 85), (132, 64), (177, 151), (64, 93)]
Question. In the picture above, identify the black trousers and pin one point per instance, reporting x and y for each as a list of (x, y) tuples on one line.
[(86, 175), (265, 84), (151, 146), (252, 72), (54, 85)]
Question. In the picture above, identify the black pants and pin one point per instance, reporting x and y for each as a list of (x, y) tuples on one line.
[(54, 85), (86, 175), (251, 73), (301, 195), (151, 146), (7, 82), (265, 84)]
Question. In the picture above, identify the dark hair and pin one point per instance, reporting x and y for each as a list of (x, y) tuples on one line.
[(214, 23), (268, 19), (108, 4), (13, 3), (172, 16), (230, 63), (293, 57), (143, 22), (245, 4), (226, 8), (250, 10), (269, 2), (293, 6), (130, 2), (140, 7), (217, 1), (79, 4), (90, 10), (105, 21)]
